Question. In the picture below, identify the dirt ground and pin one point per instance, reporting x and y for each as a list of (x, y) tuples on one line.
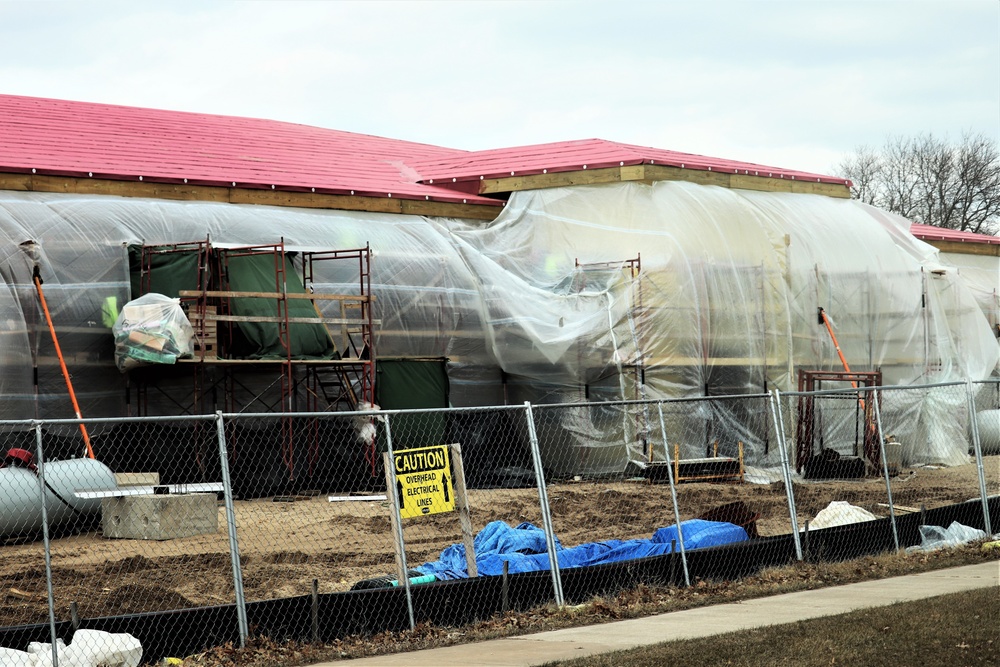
[(286, 543)]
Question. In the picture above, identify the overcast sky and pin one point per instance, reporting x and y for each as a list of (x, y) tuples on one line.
[(795, 84)]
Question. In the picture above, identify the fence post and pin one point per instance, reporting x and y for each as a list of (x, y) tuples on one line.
[(390, 492), (786, 472), (875, 399), (978, 448), (314, 610), (234, 546), (673, 495), (543, 501), (47, 544)]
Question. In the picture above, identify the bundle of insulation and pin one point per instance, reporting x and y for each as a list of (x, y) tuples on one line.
[(151, 329)]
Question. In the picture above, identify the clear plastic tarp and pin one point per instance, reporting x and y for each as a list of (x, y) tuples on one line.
[(151, 329), (586, 293)]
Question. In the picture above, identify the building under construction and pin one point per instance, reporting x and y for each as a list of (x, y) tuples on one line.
[(323, 270)]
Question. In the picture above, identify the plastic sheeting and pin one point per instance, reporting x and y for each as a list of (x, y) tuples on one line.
[(151, 329), (726, 303), (981, 274), (539, 305), (956, 534)]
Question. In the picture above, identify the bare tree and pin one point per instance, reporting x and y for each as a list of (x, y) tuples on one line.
[(931, 181)]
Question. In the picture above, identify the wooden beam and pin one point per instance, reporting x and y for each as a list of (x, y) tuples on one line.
[(554, 180), (657, 172), (274, 295), (434, 210), (745, 182), (97, 186), (650, 173), (654, 363), (960, 248), (217, 361), (290, 320), (313, 200), (188, 192), (19, 182)]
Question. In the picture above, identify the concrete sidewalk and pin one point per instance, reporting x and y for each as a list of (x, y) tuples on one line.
[(588, 640)]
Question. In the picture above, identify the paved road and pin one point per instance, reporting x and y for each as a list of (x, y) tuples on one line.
[(570, 643)]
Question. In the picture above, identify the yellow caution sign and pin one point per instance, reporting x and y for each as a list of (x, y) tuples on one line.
[(423, 481)]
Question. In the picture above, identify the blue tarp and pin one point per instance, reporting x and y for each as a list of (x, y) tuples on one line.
[(523, 547)]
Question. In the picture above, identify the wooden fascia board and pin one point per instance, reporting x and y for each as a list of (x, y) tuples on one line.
[(187, 192), (560, 179), (960, 248), (650, 173), (763, 184)]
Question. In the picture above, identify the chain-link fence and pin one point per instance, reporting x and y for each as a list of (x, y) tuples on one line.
[(874, 464), (88, 547), (182, 533)]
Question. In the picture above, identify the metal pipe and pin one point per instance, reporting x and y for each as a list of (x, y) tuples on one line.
[(543, 501), (978, 448), (786, 473), (394, 501), (234, 546), (48, 544), (673, 496), (885, 468)]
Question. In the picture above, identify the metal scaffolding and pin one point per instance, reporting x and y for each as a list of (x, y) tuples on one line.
[(225, 378)]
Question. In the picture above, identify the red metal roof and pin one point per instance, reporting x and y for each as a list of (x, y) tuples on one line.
[(83, 139), (587, 154), (62, 138), (931, 233)]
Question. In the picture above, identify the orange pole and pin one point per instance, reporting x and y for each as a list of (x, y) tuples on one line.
[(62, 363), (861, 400), (826, 321)]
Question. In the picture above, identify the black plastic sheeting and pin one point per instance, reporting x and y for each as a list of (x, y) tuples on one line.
[(183, 632), (495, 452)]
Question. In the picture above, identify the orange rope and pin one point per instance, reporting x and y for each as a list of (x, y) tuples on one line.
[(62, 363)]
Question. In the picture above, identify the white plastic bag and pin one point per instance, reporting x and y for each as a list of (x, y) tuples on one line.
[(151, 329), (936, 537)]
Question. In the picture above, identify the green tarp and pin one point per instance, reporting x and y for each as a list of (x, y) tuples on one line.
[(169, 272), (262, 340), (407, 384)]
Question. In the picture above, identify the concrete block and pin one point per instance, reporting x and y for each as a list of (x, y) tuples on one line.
[(137, 478), (160, 517)]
